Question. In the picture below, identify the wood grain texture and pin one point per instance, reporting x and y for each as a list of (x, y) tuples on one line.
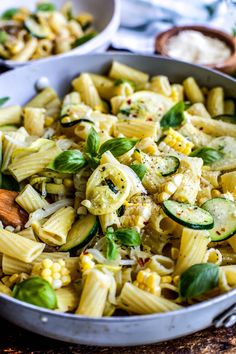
[(212, 341)]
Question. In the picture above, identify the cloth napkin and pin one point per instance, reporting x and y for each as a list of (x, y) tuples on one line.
[(142, 20)]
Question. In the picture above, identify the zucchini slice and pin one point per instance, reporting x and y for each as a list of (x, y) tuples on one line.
[(34, 28), (81, 233), (228, 118), (67, 121), (167, 165), (224, 215), (188, 215)]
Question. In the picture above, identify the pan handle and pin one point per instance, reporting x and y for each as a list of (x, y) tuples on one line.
[(226, 318)]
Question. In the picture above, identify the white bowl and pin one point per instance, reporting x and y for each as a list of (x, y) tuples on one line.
[(106, 21)]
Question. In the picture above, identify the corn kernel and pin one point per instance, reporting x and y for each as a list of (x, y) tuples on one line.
[(174, 253), (56, 267), (47, 263), (176, 280), (46, 272), (215, 193), (57, 284), (68, 183), (61, 262), (166, 279), (48, 121)]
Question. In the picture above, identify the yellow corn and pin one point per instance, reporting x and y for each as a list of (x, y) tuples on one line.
[(166, 279), (11, 280), (86, 261), (215, 193), (49, 121), (56, 273), (174, 253), (178, 142), (166, 190), (176, 280), (148, 281)]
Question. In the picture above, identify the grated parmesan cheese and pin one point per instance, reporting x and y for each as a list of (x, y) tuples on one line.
[(195, 47)]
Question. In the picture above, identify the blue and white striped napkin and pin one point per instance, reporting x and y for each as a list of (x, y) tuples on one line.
[(142, 20)]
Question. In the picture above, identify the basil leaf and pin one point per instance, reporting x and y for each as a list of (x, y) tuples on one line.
[(118, 146), (8, 14), (8, 182), (3, 100), (92, 161), (209, 155), (128, 237), (92, 143), (111, 248), (46, 6), (36, 291), (70, 161), (3, 37), (198, 279), (139, 169), (174, 117), (84, 39)]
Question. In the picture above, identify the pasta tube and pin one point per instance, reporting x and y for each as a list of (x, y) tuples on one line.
[(19, 247), (94, 294), (137, 301)]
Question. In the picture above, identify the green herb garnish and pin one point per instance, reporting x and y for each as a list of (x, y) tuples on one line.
[(174, 117), (198, 279), (209, 155)]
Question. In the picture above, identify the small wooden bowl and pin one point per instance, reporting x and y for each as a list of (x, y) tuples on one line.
[(228, 67)]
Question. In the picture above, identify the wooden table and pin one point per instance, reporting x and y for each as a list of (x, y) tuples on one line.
[(18, 341)]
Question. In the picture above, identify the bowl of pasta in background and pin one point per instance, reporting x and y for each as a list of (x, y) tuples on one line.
[(119, 330), (33, 43)]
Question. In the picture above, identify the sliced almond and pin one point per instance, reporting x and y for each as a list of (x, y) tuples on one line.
[(10, 212)]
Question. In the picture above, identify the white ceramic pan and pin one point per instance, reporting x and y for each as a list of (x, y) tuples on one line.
[(106, 22), (116, 331)]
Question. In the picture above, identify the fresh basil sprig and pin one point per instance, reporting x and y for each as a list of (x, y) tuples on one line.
[(117, 146), (174, 117), (3, 100), (36, 291), (92, 143), (209, 155), (198, 279), (46, 7), (8, 14), (139, 169), (126, 237), (69, 161), (111, 248)]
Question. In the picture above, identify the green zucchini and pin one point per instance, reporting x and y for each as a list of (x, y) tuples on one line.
[(82, 40), (188, 215), (34, 28), (81, 233), (228, 118), (67, 121), (167, 165), (224, 215)]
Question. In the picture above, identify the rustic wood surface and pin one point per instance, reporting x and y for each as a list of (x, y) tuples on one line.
[(214, 341)]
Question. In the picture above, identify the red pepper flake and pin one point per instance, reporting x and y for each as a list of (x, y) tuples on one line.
[(129, 101), (149, 119), (218, 233), (201, 128)]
